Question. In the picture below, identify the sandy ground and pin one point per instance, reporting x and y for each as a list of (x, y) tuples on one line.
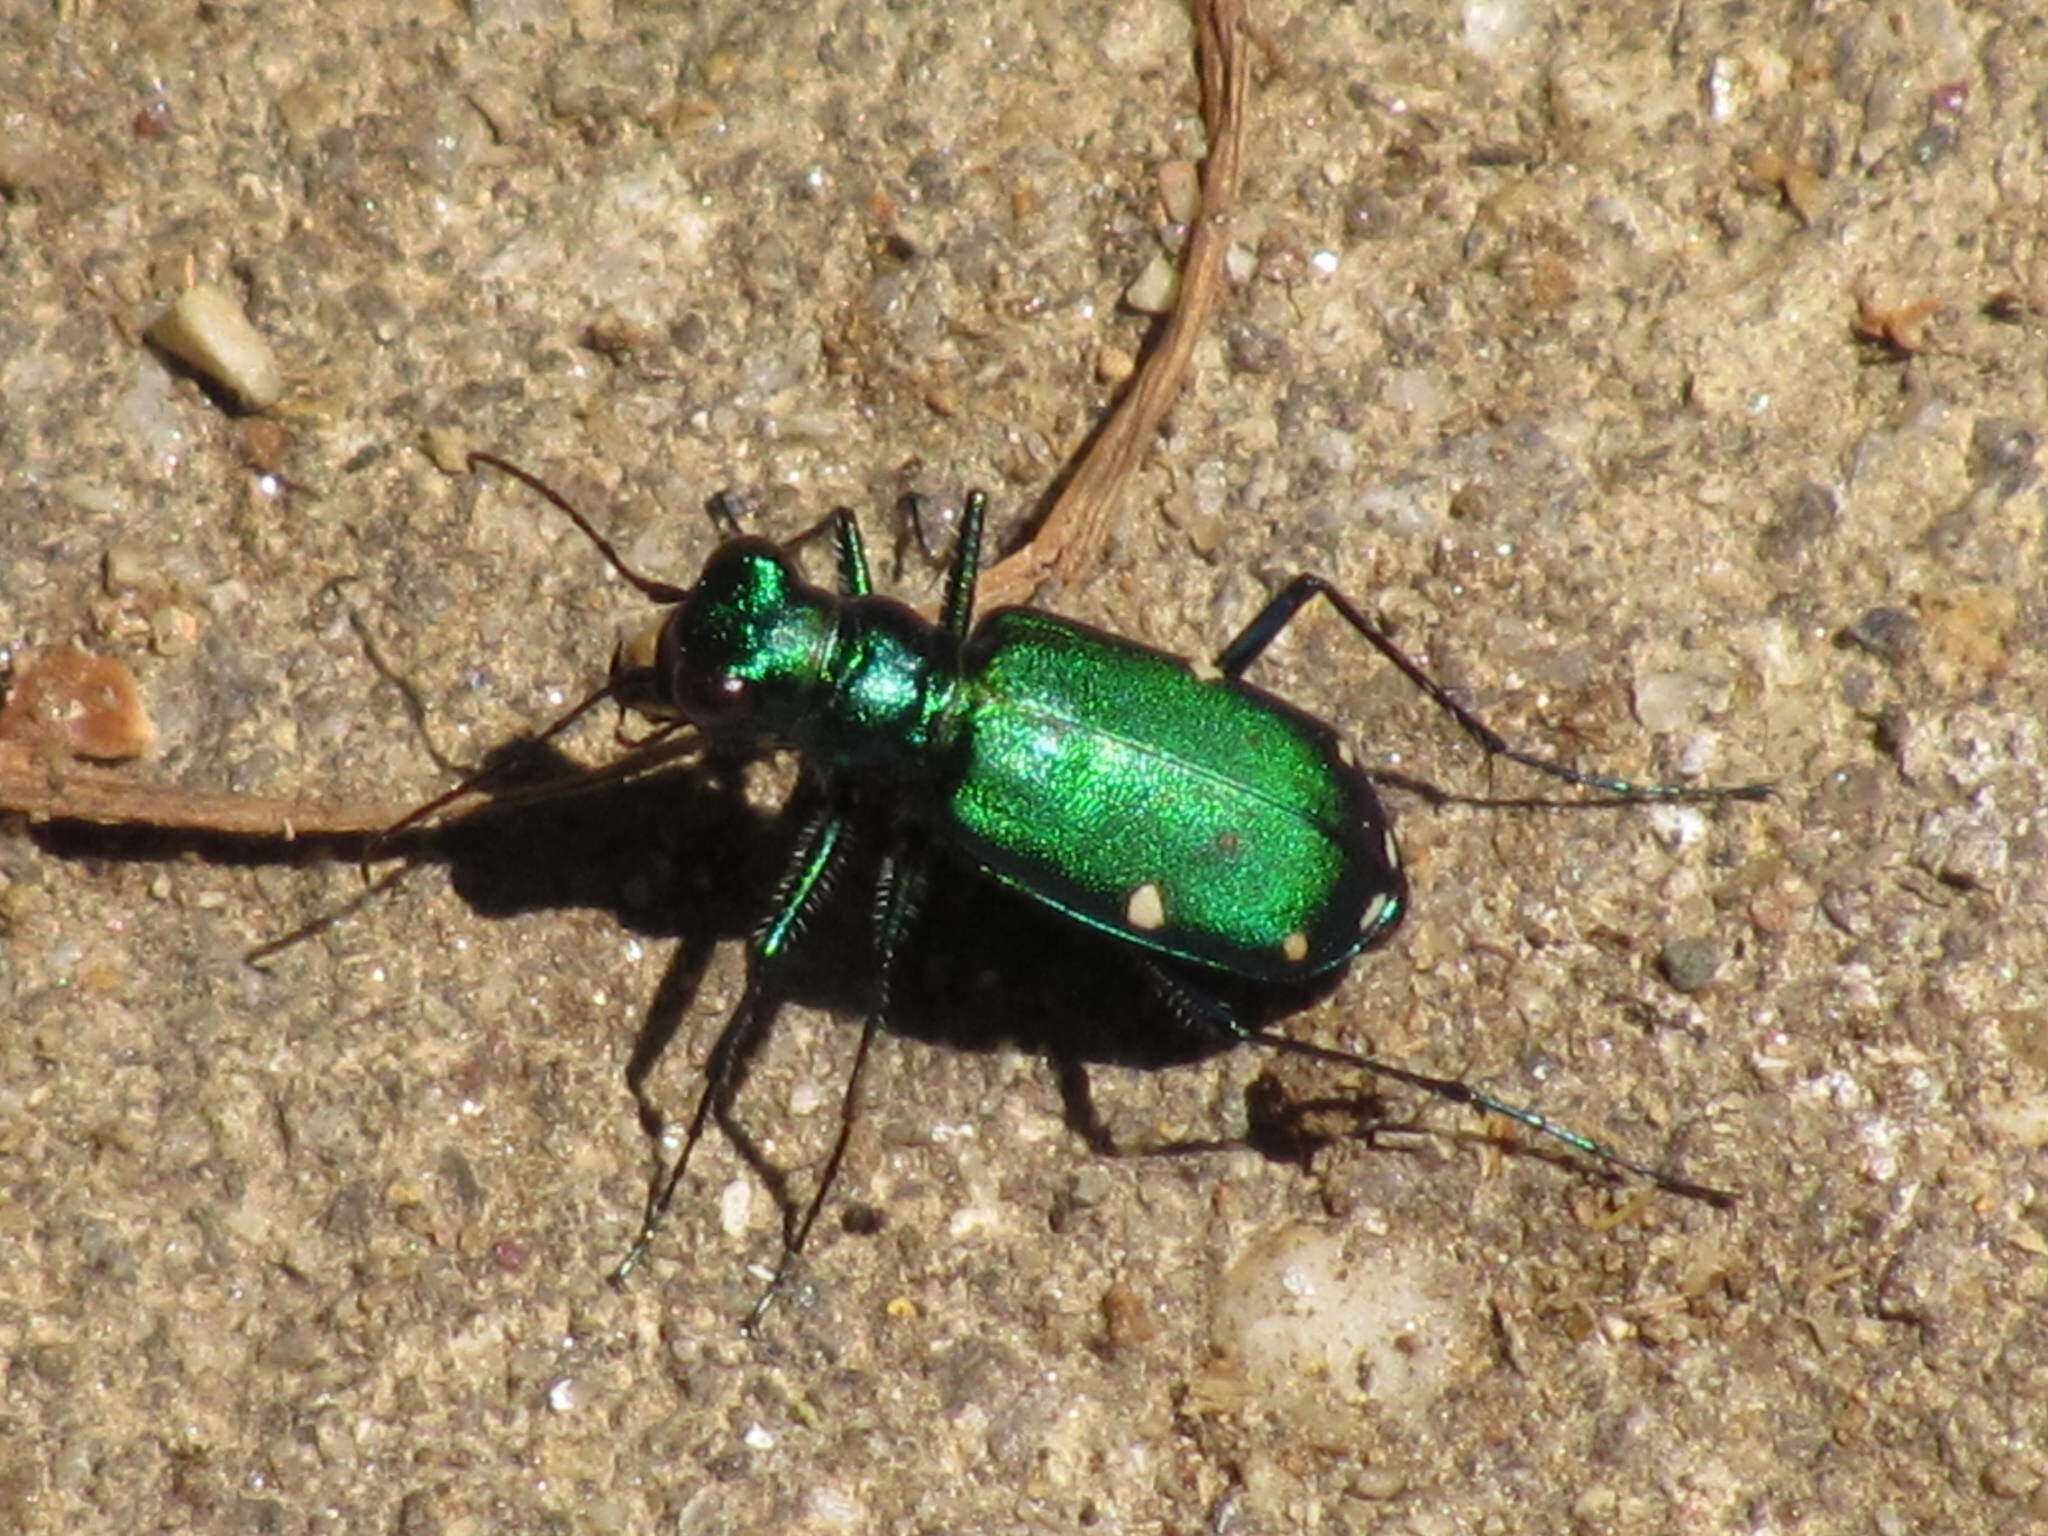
[(1669, 376)]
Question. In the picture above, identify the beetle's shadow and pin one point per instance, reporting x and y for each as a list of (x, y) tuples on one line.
[(994, 969), (684, 855)]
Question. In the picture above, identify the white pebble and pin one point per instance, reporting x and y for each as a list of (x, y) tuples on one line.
[(1152, 291), (207, 331), (735, 1207)]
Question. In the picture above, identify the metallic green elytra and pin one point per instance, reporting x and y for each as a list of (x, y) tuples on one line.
[(1203, 819), (1213, 828)]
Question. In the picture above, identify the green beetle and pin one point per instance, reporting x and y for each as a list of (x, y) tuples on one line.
[(1208, 825)]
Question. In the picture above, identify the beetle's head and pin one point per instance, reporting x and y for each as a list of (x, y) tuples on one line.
[(742, 650)]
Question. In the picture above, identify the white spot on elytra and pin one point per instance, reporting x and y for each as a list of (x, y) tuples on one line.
[(1294, 948), (1146, 910)]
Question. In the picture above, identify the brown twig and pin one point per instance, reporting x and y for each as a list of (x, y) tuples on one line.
[(75, 792), (78, 793), (1070, 541)]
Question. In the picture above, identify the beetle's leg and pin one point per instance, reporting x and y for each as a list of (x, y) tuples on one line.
[(849, 549), (1210, 1017), (852, 551), (818, 851), (798, 1231), (957, 617), (897, 895), (728, 509), (1464, 1093), (1252, 641)]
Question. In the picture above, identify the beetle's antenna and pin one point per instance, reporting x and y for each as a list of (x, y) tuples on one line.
[(1464, 1093), (657, 591)]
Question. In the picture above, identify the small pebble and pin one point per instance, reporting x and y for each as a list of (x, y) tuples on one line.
[(2011, 1477), (1379, 1484), (173, 630), (128, 566), (735, 1207), (85, 705), (1676, 701), (2003, 454), (1113, 365), (1127, 1320), (1152, 292), (1691, 965), (1890, 634), (1180, 190), (448, 448), (1805, 515), (267, 444), (208, 332)]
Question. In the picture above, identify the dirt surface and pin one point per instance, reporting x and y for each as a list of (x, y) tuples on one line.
[(1671, 378)]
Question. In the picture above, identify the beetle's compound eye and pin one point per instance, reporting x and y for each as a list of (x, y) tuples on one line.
[(707, 696), (712, 699)]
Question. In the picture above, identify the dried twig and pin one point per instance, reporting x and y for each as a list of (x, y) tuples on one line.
[(75, 792)]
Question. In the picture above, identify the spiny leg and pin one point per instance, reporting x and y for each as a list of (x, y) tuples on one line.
[(899, 890), (849, 550), (818, 851), (852, 550), (1266, 625), (795, 1236), (724, 1071), (1203, 1014), (1464, 1093), (957, 616)]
